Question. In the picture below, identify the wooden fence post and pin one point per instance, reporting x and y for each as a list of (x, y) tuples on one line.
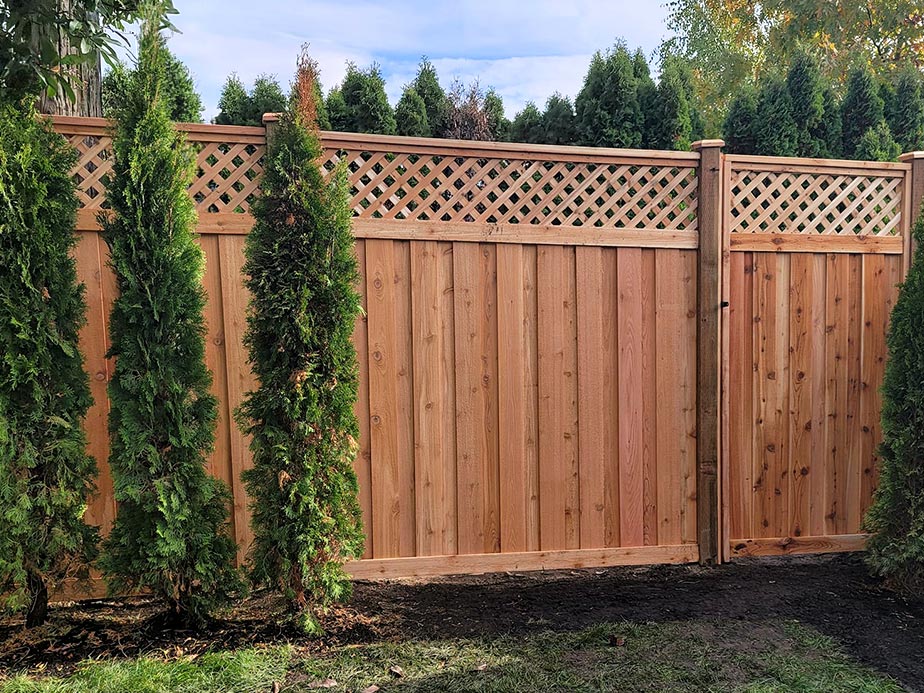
[(269, 122), (915, 192), (708, 342)]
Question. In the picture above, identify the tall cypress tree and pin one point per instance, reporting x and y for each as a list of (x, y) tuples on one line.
[(861, 109), (896, 548), (411, 114), (527, 125), (498, 123), (877, 144), (558, 125), (367, 105), (427, 86), (607, 107), (170, 534), (337, 111), (775, 131), (827, 131), (740, 126), (806, 94), (906, 118), (647, 92), (669, 117), (233, 104), (46, 475), (306, 518)]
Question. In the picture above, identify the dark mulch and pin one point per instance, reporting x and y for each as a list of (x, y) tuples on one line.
[(833, 594)]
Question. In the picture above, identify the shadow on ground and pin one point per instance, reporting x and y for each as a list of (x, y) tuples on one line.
[(832, 594)]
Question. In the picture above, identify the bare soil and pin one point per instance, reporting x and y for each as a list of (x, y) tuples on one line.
[(832, 594)]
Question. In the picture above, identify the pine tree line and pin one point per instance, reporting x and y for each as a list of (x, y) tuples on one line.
[(800, 114)]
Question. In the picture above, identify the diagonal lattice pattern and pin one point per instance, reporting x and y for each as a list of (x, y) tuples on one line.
[(419, 187), (812, 203)]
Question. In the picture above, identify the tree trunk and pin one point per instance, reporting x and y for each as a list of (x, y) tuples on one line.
[(86, 81), (38, 600)]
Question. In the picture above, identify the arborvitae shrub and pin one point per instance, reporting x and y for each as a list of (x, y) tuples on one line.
[(337, 110), (827, 132), (183, 101), (46, 475), (861, 109), (411, 115), (367, 105), (740, 127), (498, 123), (607, 107), (877, 144), (775, 130), (170, 534), (427, 86), (806, 94), (234, 102), (558, 124), (527, 125), (301, 272), (669, 117), (906, 117), (896, 518)]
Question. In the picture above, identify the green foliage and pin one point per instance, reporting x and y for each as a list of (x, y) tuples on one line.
[(527, 126), (608, 111), (238, 107), (896, 518), (46, 475), (775, 131), (498, 123), (367, 107), (877, 144), (668, 118), (740, 127), (301, 272), (427, 86), (411, 115), (906, 117), (33, 32), (807, 96), (647, 95), (827, 133), (558, 123), (184, 104), (337, 110), (861, 109), (170, 534)]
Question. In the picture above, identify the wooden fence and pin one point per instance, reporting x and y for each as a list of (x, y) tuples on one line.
[(547, 376)]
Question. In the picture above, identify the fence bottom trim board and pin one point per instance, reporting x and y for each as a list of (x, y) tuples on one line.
[(476, 564), (784, 546)]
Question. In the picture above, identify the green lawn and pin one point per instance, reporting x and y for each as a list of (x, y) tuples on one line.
[(679, 656)]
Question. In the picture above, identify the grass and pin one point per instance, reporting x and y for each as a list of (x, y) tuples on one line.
[(679, 656)]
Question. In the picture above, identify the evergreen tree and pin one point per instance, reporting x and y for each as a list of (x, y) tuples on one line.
[(411, 114), (669, 116), (647, 95), (183, 101), (806, 94), (740, 126), (234, 102), (527, 126), (877, 144), (906, 118), (558, 124), (861, 109), (337, 110), (46, 475), (775, 129), (608, 111), (498, 123), (827, 132), (306, 517), (266, 96), (427, 86), (895, 549), (367, 105), (170, 534)]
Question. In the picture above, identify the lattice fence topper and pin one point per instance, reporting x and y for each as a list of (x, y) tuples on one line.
[(811, 203), (450, 188), (227, 174)]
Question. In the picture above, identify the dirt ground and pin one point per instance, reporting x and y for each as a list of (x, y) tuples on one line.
[(833, 594)]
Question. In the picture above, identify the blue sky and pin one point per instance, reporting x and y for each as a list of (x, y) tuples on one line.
[(526, 50)]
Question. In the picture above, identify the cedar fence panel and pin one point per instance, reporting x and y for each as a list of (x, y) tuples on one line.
[(529, 348)]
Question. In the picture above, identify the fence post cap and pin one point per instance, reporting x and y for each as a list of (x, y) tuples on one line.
[(703, 144), (910, 156), (270, 118)]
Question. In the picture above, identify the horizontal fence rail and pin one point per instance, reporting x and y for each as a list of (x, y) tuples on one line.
[(532, 347)]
